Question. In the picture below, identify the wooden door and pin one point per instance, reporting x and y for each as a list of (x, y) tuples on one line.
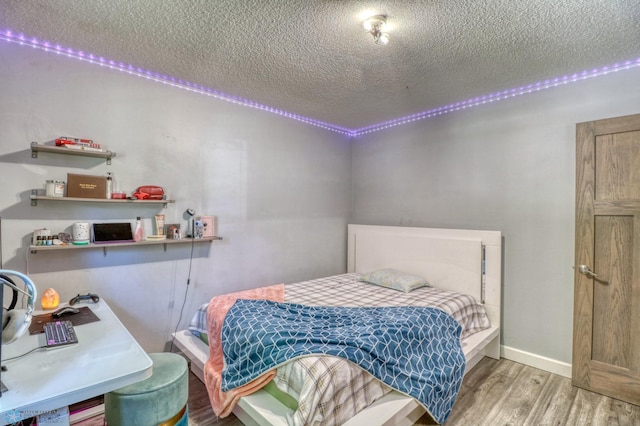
[(606, 329)]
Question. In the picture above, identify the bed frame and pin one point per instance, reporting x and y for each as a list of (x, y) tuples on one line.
[(466, 261)]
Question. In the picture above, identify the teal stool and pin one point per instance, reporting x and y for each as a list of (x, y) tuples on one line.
[(159, 400)]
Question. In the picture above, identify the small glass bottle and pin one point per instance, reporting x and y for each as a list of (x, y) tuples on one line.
[(109, 185), (138, 235)]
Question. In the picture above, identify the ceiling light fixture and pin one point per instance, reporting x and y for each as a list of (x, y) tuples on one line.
[(375, 25)]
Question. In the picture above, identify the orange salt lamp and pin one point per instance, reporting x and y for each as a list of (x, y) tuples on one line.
[(50, 299)]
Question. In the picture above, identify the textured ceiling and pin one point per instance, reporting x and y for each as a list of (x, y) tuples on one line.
[(313, 58)]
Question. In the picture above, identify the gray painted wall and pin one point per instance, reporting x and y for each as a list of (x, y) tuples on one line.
[(508, 166), (279, 188), (283, 192)]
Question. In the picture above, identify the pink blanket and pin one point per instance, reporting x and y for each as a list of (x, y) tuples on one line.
[(223, 402)]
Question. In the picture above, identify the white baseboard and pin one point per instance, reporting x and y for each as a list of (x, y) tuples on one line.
[(536, 361)]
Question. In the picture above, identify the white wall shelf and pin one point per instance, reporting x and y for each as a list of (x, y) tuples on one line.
[(108, 155), (35, 197), (36, 148), (35, 249)]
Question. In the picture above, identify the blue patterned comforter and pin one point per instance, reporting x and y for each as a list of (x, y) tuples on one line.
[(415, 350)]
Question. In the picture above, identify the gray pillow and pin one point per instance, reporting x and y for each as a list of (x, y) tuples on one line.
[(395, 279)]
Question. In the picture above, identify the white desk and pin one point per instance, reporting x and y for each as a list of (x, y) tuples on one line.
[(105, 358)]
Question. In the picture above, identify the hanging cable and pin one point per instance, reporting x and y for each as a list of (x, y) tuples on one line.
[(186, 291)]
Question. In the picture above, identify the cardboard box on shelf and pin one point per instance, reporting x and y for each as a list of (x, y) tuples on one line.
[(86, 186)]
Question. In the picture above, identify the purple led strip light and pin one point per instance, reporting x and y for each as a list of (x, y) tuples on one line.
[(159, 78), (171, 81), (499, 96)]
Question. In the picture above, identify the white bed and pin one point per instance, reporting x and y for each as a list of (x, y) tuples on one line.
[(464, 261)]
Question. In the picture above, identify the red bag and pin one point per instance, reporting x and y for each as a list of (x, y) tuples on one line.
[(149, 192)]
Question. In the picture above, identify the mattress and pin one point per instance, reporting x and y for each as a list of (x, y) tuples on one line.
[(305, 383)]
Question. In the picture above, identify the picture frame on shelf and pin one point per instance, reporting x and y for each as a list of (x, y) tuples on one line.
[(172, 231), (209, 226)]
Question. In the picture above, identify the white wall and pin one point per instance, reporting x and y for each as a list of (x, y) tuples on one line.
[(508, 166), (279, 188)]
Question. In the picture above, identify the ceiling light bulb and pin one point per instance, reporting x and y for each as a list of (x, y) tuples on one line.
[(375, 25)]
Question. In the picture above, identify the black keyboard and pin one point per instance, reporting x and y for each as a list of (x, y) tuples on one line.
[(59, 333)]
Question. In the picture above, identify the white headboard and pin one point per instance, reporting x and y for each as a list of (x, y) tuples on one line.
[(451, 259)]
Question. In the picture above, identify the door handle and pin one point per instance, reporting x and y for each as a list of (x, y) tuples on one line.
[(585, 270)]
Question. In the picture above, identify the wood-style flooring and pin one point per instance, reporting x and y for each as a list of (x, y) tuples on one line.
[(494, 393), (507, 393)]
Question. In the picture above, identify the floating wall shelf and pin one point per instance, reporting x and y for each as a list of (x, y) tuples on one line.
[(36, 148), (35, 197), (35, 249)]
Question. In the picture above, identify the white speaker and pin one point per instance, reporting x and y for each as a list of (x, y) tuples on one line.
[(16, 321)]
